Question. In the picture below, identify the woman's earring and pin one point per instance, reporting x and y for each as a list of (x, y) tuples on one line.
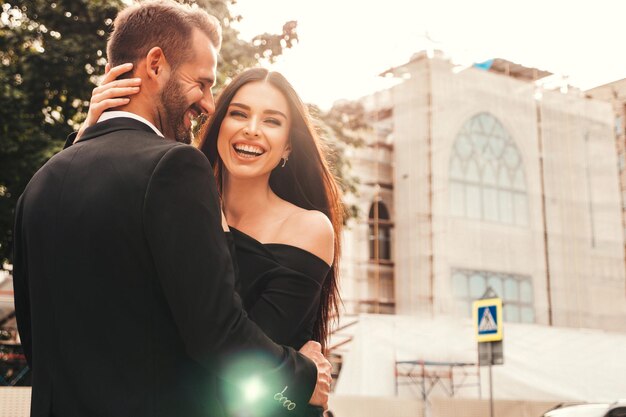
[(285, 159)]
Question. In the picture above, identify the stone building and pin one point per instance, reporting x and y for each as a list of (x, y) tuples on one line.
[(487, 177)]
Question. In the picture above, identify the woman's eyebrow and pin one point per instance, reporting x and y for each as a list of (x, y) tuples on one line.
[(269, 111)]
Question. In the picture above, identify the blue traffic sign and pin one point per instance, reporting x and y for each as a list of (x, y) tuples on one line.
[(488, 319)]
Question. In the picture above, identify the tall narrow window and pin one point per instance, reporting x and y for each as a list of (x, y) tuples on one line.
[(486, 172), (379, 232)]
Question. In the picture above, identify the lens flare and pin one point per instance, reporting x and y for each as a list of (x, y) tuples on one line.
[(253, 389), (248, 384)]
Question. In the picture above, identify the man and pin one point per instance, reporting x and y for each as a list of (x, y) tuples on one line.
[(123, 280)]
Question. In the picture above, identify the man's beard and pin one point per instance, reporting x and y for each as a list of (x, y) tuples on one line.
[(175, 107)]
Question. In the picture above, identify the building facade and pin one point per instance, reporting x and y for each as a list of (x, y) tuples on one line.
[(615, 94), (482, 178)]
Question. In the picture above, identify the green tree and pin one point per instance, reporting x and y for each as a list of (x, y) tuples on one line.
[(51, 55), (340, 128), (237, 54)]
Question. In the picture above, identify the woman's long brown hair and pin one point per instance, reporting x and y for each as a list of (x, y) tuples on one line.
[(305, 181)]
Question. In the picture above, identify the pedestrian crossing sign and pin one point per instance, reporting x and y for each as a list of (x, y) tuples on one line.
[(488, 319)]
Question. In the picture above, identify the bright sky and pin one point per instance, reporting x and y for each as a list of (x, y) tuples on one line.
[(345, 44)]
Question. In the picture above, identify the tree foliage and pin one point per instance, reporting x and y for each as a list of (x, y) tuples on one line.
[(51, 55), (237, 54), (340, 128)]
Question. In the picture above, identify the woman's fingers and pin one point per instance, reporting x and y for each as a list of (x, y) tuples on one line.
[(100, 107), (125, 83), (114, 92), (111, 93), (115, 72)]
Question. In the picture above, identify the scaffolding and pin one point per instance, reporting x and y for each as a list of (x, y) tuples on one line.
[(378, 268), (425, 376)]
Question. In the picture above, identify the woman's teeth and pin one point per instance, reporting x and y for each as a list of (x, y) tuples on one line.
[(248, 151)]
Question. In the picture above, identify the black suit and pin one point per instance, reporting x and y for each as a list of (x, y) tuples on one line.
[(124, 286)]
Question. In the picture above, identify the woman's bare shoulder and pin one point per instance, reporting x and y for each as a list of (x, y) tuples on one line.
[(310, 230)]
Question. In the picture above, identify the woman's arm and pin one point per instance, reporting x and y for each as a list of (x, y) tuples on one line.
[(287, 306)]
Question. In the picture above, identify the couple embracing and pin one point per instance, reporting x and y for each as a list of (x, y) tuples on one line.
[(157, 278)]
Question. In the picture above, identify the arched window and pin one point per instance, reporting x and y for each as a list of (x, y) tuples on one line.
[(379, 232), (487, 180)]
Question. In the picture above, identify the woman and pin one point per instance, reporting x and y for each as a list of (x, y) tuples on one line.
[(280, 200)]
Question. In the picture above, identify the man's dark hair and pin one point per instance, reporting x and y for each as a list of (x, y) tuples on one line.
[(163, 23)]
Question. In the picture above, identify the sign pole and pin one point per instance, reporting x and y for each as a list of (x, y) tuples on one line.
[(490, 380), (487, 315)]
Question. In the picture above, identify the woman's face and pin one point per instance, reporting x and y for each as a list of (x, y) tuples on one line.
[(254, 134)]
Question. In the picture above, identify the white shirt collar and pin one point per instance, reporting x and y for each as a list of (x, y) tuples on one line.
[(107, 115)]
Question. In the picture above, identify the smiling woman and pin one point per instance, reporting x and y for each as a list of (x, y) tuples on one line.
[(282, 206), (274, 179)]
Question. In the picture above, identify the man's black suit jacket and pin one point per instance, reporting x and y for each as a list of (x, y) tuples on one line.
[(124, 287)]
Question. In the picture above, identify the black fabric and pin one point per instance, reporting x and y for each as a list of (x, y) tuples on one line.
[(124, 286), (69, 141), (280, 286)]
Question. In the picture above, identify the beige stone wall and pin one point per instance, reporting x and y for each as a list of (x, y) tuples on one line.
[(449, 407), (585, 242), (355, 406), (615, 94), (15, 402), (583, 213)]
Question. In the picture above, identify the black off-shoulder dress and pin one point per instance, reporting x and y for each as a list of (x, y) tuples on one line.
[(280, 287)]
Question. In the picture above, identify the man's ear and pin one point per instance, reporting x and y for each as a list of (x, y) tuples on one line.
[(157, 67)]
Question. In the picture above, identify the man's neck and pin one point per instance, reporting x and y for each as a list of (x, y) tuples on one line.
[(143, 111)]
